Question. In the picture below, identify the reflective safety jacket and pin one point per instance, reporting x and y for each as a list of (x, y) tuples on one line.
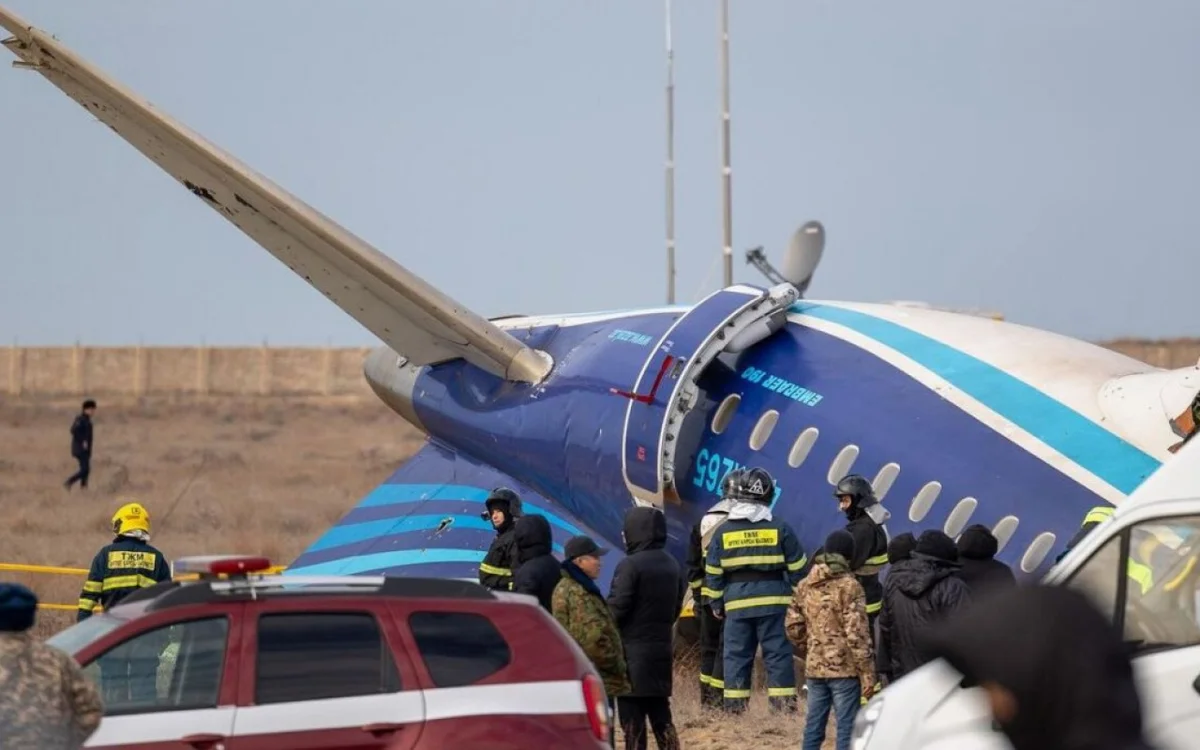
[(698, 544), (870, 555), (751, 568), (496, 570), (118, 570)]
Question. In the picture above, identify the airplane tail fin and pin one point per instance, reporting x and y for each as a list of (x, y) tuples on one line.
[(411, 316), (425, 521)]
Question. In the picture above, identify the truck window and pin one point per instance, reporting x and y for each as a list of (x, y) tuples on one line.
[(458, 648), (172, 668), (315, 656)]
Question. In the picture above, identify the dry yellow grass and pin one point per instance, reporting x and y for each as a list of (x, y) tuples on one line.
[(263, 476)]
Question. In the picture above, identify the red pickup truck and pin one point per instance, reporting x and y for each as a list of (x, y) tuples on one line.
[(236, 660)]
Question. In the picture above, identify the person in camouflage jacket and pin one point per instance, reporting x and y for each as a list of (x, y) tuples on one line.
[(579, 607), (46, 702), (827, 622)]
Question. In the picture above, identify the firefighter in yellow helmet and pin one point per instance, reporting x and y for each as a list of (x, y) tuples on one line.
[(120, 568)]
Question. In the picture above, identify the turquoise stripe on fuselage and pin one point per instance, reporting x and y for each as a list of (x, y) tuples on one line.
[(1117, 462), (396, 494)]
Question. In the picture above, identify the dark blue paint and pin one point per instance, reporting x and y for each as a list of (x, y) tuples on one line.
[(560, 445), (643, 458)]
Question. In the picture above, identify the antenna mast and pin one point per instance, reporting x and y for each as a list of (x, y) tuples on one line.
[(726, 172), (670, 165)]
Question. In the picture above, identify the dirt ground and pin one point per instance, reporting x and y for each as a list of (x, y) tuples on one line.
[(256, 476)]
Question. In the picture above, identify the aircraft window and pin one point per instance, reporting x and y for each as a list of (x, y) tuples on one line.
[(924, 501), (957, 520), (841, 465), (762, 430), (725, 413), (1037, 551), (885, 479), (1004, 530), (802, 446)]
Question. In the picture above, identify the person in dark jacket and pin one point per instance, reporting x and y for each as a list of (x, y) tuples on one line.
[(865, 516), (645, 598), (537, 570), (81, 445), (916, 594), (503, 509), (981, 571), (1055, 671), (900, 549), (712, 653)]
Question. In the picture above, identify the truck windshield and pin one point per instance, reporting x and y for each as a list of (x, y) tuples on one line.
[(77, 637)]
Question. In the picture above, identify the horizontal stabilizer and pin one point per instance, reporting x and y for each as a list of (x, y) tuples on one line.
[(425, 521), (408, 314)]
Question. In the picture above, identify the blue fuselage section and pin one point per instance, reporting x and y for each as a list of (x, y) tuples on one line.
[(565, 439)]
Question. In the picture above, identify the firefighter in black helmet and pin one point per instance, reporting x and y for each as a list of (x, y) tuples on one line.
[(856, 498), (503, 510)]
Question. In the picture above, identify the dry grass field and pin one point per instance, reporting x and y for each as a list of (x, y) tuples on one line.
[(253, 475)]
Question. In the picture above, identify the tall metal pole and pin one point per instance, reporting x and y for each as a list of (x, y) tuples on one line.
[(670, 166), (726, 171)]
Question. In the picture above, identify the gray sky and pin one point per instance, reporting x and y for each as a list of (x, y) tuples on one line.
[(1038, 157)]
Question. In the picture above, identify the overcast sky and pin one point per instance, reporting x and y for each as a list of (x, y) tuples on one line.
[(1036, 157)]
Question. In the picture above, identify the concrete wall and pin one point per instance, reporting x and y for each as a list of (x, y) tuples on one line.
[(277, 371), (149, 371)]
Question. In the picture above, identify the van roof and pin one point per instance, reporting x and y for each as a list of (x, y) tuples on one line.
[(1178, 478)]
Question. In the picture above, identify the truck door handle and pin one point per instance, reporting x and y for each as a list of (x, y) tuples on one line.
[(382, 728), (206, 741)]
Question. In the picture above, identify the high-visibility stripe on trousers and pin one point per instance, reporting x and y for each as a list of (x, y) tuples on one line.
[(712, 658), (742, 638)]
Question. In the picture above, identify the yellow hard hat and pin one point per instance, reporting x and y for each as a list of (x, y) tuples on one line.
[(130, 517)]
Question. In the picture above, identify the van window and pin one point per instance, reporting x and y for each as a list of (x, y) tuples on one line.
[(1161, 606), (1162, 600), (1098, 577)]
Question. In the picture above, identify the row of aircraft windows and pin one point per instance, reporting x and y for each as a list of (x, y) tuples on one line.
[(921, 503)]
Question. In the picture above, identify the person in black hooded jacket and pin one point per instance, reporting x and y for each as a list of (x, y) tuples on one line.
[(537, 570), (1056, 673), (916, 594), (981, 571), (645, 598), (900, 548)]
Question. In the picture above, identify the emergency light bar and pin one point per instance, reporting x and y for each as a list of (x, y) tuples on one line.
[(217, 565)]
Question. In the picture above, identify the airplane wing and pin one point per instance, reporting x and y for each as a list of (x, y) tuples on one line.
[(408, 314)]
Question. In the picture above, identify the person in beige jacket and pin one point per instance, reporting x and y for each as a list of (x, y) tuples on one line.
[(827, 622)]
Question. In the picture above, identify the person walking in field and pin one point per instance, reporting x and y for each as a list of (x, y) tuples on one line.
[(81, 445)]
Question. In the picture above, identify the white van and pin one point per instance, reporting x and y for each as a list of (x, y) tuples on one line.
[(928, 709)]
